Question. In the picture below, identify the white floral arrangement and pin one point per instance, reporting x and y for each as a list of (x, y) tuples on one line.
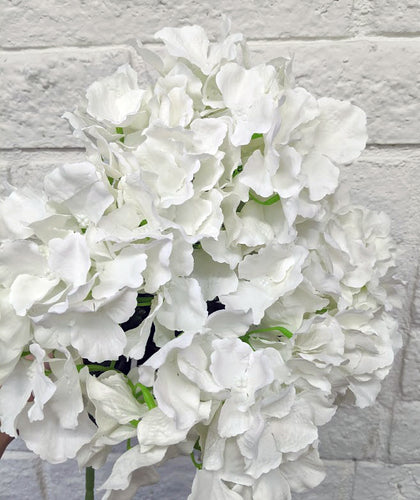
[(200, 284)]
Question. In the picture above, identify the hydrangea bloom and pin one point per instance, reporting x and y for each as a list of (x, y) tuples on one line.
[(200, 284)]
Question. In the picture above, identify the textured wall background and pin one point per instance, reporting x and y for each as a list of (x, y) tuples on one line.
[(367, 51)]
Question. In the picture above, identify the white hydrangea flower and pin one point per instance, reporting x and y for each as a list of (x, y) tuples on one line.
[(200, 283)]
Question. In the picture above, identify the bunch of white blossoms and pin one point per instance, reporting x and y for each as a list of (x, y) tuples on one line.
[(198, 285)]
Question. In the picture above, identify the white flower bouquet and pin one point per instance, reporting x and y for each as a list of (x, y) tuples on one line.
[(200, 284)]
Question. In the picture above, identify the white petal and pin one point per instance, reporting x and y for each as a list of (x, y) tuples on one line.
[(209, 134), (38, 436), (121, 306), (208, 481), (229, 361), (69, 258), (188, 42), (125, 270), (78, 187), (184, 307), (304, 473), (20, 209), (249, 297), (20, 257), (272, 486), (157, 429), (219, 249), (26, 290), (42, 386), (147, 369), (97, 337), (157, 272), (13, 397), (115, 97), (178, 398), (341, 133), (193, 363), (214, 279), (294, 432), (111, 394), (129, 462), (298, 108), (321, 175), (67, 402)]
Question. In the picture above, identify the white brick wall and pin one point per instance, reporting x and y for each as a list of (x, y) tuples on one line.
[(364, 50)]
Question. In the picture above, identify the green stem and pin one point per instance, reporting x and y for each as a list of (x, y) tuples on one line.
[(90, 483), (273, 199), (94, 368), (197, 465), (144, 303), (148, 397), (237, 171), (287, 333)]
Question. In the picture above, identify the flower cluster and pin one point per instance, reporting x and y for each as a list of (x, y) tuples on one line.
[(200, 284)]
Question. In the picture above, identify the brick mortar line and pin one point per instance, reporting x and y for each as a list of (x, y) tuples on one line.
[(252, 41), (370, 147), (353, 479), (402, 145), (339, 41), (42, 479), (70, 149), (19, 455), (68, 48)]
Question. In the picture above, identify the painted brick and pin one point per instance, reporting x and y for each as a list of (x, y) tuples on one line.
[(387, 180), (356, 434), (41, 85), (405, 435), (175, 484), (386, 482), (29, 168), (390, 387), (176, 479), (410, 382), (376, 74), (77, 22), (415, 306), (18, 445), (19, 477), (38, 86), (386, 16), (337, 485)]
